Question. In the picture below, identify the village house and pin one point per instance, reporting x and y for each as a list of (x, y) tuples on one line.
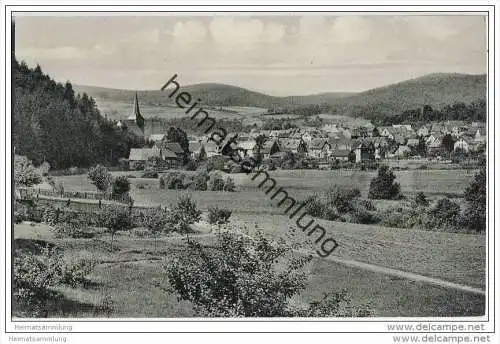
[(269, 148), (435, 145), (403, 151), (211, 149), (360, 132), (364, 152), (297, 146), (412, 142), (340, 154), (320, 149), (330, 128), (156, 137), (480, 135), (461, 144), (423, 131), (138, 156), (247, 148)]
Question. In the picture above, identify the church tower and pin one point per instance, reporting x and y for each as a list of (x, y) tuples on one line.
[(135, 122)]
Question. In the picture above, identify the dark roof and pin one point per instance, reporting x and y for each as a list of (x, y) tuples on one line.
[(341, 152), (173, 146), (168, 154), (318, 143), (143, 154), (289, 143)]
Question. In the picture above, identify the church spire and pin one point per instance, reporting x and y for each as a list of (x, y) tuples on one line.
[(139, 120)]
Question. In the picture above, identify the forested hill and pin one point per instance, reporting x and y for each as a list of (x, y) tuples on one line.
[(51, 123)]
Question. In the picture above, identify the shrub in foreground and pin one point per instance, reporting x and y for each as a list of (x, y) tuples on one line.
[(249, 277), (33, 275)]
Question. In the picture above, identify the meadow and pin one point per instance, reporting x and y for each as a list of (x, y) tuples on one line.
[(129, 274)]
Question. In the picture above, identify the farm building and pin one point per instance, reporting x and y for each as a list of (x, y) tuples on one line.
[(320, 149), (138, 156), (461, 144), (293, 145), (269, 148), (341, 154), (365, 152)]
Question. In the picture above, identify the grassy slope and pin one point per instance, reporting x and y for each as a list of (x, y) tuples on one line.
[(128, 276)]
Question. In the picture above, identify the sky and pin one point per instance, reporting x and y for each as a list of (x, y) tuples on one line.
[(289, 54)]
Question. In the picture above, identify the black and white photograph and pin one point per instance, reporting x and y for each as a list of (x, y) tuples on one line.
[(218, 165)]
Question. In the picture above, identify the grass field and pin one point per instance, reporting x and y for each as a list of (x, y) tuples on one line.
[(128, 275), (298, 183)]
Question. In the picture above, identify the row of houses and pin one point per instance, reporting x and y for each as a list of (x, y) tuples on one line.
[(327, 143)]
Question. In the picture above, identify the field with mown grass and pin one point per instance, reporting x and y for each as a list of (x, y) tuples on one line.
[(129, 276)]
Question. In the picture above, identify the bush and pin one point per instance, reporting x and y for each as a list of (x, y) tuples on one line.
[(342, 197), (75, 272), (421, 200), (150, 173), (44, 168), (25, 173), (218, 216), (383, 185), (403, 216), (247, 277), (33, 275), (229, 185), (184, 214), (157, 220), (315, 206), (172, 181), (21, 212), (200, 181), (121, 185), (216, 183), (115, 218), (192, 165), (444, 214), (362, 212), (72, 230), (100, 177)]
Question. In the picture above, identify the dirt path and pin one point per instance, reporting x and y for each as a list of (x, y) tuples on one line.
[(405, 275), (386, 271)]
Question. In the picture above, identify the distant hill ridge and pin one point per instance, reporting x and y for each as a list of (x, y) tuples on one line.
[(436, 90)]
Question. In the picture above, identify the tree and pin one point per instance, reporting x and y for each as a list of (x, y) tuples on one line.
[(115, 218), (448, 142), (100, 177), (120, 187), (184, 214), (218, 216), (445, 213), (475, 196), (156, 221), (242, 276), (383, 185), (24, 172)]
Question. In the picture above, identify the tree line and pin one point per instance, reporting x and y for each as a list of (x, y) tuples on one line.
[(51, 123)]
